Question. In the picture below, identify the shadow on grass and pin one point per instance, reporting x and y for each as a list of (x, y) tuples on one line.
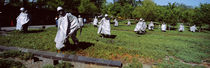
[(73, 47), (34, 31), (172, 28), (109, 36), (142, 33)]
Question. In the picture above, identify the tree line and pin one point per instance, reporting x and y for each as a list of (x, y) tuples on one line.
[(171, 14)]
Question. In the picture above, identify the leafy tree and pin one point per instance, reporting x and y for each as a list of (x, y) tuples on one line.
[(172, 17), (87, 7), (134, 3), (125, 11), (72, 5), (197, 18), (16, 3), (172, 14), (41, 3), (98, 3), (114, 9), (107, 8), (55, 3), (160, 13), (188, 16), (146, 10), (117, 10), (205, 12)]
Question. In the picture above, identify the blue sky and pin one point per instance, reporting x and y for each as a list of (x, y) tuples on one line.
[(193, 3)]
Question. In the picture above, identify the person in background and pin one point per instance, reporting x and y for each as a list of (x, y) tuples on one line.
[(104, 26), (22, 20), (68, 26)]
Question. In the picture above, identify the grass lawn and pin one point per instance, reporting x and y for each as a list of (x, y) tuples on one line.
[(128, 47)]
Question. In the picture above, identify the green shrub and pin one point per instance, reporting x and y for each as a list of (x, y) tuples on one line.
[(11, 53), (60, 65), (10, 64), (18, 54), (26, 56), (134, 64), (64, 65), (173, 63), (48, 66)]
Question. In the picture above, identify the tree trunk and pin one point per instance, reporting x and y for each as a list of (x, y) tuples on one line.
[(209, 27), (200, 28), (169, 28)]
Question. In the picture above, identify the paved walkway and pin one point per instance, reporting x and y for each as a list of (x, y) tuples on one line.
[(77, 61), (30, 27)]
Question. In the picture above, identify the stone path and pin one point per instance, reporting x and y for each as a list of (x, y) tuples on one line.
[(30, 27), (77, 61), (192, 64)]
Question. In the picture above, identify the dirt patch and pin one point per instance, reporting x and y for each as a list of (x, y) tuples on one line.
[(206, 64), (33, 63)]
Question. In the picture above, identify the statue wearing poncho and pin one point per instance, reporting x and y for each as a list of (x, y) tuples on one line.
[(104, 26), (181, 27), (67, 26), (151, 26), (129, 23), (193, 28), (140, 27), (22, 19), (163, 27), (80, 21), (116, 22), (95, 21), (144, 26)]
